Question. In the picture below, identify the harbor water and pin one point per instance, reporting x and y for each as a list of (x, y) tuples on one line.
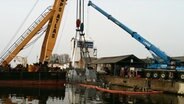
[(75, 94)]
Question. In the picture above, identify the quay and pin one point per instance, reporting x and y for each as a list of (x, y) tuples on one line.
[(167, 86)]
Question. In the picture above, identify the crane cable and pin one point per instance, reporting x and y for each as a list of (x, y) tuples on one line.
[(43, 30), (83, 48), (86, 46), (81, 32), (19, 28), (40, 33), (74, 48), (88, 21)]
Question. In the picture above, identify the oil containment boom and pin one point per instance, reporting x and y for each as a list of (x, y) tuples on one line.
[(154, 50)]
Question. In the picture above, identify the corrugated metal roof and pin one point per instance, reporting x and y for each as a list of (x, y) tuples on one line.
[(106, 60)]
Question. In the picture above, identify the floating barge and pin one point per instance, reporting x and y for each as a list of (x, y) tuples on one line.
[(26, 79)]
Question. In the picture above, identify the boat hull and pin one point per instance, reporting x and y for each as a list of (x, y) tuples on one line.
[(32, 78)]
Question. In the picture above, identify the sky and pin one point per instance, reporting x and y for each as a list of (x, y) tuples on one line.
[(161, 22)]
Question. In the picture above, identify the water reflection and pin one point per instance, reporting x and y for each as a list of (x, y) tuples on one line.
[(30, 95), (86, 96), (75, 94), (82, 95)]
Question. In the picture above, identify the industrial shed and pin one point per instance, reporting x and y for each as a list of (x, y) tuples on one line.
[(116, 63)]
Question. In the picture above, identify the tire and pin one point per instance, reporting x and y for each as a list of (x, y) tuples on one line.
[(163, 75), (182, 76), (148, 74), (155, 75)]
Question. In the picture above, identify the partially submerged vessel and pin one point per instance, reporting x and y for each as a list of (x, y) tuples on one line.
[(120, 91)]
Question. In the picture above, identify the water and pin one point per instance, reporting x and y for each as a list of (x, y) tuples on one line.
[(74, 94)]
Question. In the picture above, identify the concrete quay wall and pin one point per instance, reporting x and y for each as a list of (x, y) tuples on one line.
[(155, 84)]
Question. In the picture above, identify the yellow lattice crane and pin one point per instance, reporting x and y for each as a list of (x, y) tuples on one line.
[(53, 17)]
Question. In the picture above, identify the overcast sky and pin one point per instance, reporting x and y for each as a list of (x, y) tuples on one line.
[(159, 21)]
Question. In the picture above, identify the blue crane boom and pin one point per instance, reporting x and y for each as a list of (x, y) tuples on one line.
[(156, 51)]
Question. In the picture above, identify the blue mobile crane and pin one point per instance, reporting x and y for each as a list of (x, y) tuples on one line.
[(163, 66)]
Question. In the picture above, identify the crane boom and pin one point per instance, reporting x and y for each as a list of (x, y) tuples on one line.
[(52, 31), (135, 35), (53, 16)]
